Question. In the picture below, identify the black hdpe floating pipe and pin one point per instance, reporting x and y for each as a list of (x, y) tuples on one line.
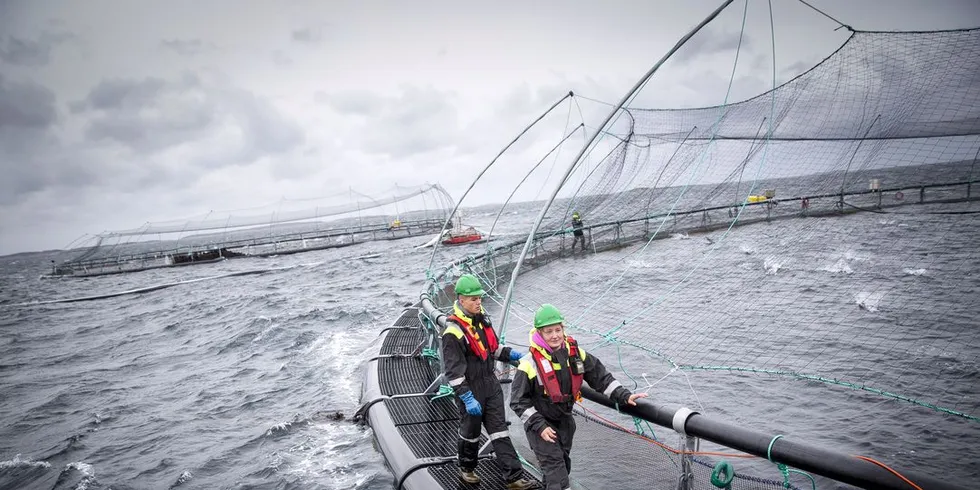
[(823, 462)]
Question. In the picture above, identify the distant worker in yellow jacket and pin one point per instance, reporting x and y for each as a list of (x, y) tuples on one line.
[(577, 231), (547, 384)]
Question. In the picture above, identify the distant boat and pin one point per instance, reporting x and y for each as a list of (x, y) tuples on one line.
[(461, 236)]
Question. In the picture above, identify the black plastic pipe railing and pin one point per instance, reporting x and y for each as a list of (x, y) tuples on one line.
[(841, 467)]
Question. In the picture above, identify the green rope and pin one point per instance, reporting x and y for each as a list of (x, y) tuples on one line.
[(723, 474), (653, 434), (430, 353), (620, 356), (813, 483), (610, 338), (524, 461), (786, 470), (769, 449), (444, 391), (638, 425)]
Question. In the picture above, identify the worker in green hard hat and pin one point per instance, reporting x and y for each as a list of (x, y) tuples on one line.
[(547, 384), (470, 348), (577, 231)]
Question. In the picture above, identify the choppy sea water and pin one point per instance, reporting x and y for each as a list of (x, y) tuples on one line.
[(238, 381), (232, 382), (883, 301)]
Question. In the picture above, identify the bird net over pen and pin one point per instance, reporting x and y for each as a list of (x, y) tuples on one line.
[(802, 262)]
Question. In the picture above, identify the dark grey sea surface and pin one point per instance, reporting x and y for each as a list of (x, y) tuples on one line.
[(231, 382), (237, 381), (790, 328)]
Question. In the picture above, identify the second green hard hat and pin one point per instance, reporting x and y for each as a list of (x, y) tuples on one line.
[(547, 315)]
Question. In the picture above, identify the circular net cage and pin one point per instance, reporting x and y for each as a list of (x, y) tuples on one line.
[(802, 262)]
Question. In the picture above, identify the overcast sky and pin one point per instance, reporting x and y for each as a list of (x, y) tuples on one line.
[(115, 113)]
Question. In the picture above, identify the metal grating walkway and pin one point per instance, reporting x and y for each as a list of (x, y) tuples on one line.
[(428, 426), (403, 375), (402, 341), (409, 318), (448, 476), (433, 439), (418, 410)]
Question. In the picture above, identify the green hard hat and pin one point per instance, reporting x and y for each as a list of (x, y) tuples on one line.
[(547, 315), (469, 285)]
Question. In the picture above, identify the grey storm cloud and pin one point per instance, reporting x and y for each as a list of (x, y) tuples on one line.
[(146, 115), (711, 41), (31, 156), (31, 52), (26, 104), (422, 120), (153, 114), (353, 102), (310, 35), (798, 67), (131, 121), (186, 47), (281, 59), (24, 52), (419, 120), (47, 168), (119, 93), (267, 130)]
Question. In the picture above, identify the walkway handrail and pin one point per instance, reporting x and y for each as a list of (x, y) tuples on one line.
[(807, 457)]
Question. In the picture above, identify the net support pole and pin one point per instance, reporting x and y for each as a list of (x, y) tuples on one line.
[(528, 174), (843, 179), (646, 210), (544, 209), (463, 197)]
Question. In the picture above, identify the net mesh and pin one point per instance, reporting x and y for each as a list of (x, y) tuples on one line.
[(803, 262), (286, 226)]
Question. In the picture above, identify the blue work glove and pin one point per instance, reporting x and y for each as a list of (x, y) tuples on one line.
[(516, 355), (472, 406)]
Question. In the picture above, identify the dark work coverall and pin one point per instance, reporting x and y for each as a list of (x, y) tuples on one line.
[(537, 411), (467, 372), (578, 233)]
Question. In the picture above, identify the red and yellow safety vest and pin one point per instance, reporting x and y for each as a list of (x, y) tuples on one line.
[(473, 338), (549, 378)]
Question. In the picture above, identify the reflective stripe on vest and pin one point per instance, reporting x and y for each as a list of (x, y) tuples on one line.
[(473, 338), (549, 378)]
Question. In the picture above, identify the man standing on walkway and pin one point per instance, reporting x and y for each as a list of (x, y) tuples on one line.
[(470, 348)]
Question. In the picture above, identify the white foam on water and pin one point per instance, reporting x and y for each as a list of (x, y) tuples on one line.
[(772, 265), (869, 301), (23, 463), (840, 267)]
